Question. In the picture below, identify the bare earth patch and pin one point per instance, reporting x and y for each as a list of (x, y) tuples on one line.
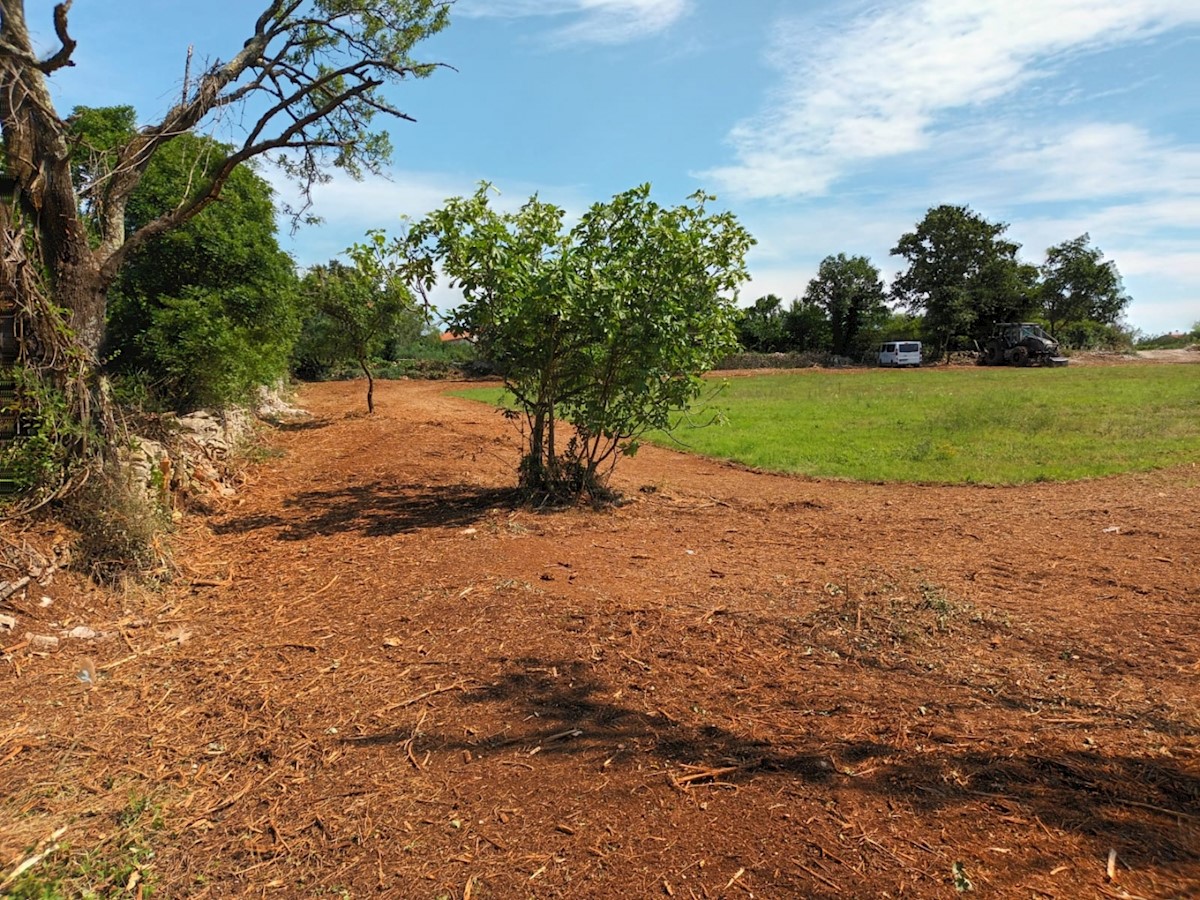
[(1113, 358), (376, 675)]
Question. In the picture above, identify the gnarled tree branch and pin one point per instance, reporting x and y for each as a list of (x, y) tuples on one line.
[(63, 57)]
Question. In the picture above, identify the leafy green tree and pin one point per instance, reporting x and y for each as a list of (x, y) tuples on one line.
[(1085, 334), (307, 89), (962, 275), (207, 312), (1079, 285), (900, 325), (851, 293), (358, 308), (761, 326), (97, 134), (608, 325), (806, 328)]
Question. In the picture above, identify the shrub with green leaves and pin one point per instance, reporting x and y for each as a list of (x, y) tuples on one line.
[(207, 312), (607, 325)]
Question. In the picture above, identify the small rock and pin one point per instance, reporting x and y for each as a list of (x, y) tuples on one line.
[(82, 633), (45, 601), (8, 623)]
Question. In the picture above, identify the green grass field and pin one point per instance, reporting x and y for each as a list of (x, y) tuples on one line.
[(986, 426)]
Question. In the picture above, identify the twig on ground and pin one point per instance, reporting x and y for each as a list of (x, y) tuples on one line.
[(821, 878), (1158, 809), (9, 589), (457, 686), (225, 804), (682, 781)]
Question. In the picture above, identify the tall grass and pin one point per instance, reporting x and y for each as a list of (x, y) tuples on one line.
[(968, 425)]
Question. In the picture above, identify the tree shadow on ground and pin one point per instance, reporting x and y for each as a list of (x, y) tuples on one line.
[(1150, 808), (377, 510)]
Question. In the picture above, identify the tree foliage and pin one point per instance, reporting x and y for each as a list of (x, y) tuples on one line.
[(962, 275), (356, 309), (761, 326), (206, 312), (1079, 285), (607, 325), (806, 328), (307, 85), (851, 293), (97, 134)]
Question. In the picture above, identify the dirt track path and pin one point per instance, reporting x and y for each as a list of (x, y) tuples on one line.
[(397, 684)]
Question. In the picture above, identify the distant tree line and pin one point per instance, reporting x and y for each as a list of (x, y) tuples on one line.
[(962, 277), (209, 311)]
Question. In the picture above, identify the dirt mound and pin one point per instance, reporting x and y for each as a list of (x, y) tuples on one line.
[(380, 677)]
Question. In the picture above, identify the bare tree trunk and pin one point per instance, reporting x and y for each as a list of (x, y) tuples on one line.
[(370, 387)]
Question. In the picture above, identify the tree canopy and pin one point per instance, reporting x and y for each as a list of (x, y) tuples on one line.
[(761, 327), (1079, 285), (356, 308), (806, 327), (851, 293), (962, 275), (206, 312)]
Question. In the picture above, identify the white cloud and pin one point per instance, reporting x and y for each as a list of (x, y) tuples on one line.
[(588, 21), (787, 283), (1174, 265), (386, 201), (1107, 160), (879, 85), (348, 208)]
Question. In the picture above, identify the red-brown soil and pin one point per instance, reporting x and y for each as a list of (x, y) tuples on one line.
[(376, 676)]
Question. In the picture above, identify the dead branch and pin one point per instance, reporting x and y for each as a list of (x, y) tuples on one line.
[(62, 58)]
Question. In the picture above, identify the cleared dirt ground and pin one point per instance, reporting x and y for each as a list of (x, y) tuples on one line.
[(376, 676)]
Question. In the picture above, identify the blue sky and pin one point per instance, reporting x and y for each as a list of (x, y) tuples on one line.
[(827, 127)]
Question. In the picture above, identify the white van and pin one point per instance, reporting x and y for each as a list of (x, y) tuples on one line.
[(900, 353)]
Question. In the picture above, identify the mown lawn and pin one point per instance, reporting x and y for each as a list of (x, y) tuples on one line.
[(988, 426)]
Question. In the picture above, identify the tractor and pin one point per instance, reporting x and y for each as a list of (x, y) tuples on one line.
[(1020, 344)]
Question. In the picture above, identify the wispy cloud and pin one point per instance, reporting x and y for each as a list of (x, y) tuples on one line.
[(588, 21), (347, 208), (884, 81), (1105, 160)]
